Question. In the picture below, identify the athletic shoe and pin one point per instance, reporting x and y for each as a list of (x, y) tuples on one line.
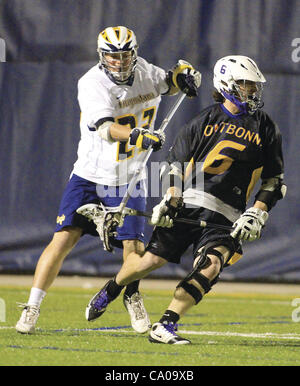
[(139, 318), (28, 320), (165, 333), (98, 303)]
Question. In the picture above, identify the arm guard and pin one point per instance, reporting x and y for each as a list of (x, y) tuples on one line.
[(172, 176), (272, 190)]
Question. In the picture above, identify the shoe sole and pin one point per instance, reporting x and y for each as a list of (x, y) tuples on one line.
[(142, 331), (25, 333), (153, 340), (20, 331)]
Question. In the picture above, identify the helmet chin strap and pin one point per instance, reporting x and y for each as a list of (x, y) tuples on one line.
[(242, 106), (127, 82)]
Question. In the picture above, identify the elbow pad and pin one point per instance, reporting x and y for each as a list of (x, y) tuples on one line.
[(272, 190), (104, 131), (103, 128)]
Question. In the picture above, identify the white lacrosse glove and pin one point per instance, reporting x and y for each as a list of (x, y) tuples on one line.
[(248, 227), (164, 213)]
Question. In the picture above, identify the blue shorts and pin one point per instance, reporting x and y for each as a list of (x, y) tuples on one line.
[(79, 192)]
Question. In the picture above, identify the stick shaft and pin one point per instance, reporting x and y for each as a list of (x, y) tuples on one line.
[(200, 223), (148, 153)]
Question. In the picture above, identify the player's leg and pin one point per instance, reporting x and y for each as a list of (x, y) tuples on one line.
[(132, 299), (208, 264), (53, 256), (165, 245), (131, 237), (137, 267), (192, 289), (132, 248), (133, 269), (69, 228), (46, 271)]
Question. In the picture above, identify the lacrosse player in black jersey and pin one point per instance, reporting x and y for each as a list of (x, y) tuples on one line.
[(232, 144)]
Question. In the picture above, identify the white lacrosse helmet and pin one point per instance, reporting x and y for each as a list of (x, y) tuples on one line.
[(231, 73), (117, 48)]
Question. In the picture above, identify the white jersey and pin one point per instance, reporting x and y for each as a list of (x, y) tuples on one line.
[(114, 163)]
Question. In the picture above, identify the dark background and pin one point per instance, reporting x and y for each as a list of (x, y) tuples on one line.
[(51, 43)]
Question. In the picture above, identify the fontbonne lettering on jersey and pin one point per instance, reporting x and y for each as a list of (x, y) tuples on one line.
[(139, 99), (116, 376), (228, 128)]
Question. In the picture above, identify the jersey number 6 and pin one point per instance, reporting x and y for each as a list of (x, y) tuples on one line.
[(222, 162)]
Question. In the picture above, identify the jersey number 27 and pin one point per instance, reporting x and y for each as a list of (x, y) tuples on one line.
[(124, 151)]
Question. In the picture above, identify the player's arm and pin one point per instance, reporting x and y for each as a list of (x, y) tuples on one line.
[(173, 177), (106, 127), (142, 138), (172, 202), (249, 226), (183, 77)]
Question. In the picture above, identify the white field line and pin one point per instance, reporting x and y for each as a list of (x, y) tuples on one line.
[(267, 335)]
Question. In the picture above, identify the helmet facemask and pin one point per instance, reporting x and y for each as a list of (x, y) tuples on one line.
[(246, 95), (119, 65)]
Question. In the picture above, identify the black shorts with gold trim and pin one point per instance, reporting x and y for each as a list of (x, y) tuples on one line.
[(172, 243)]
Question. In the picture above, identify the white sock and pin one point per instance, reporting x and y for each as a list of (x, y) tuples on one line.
[(36, 296)]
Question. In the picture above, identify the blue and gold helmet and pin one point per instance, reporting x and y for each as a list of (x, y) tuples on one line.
[(117, 49)]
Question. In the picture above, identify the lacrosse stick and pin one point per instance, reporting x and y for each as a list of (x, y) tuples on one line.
[(200, 223), (148, 153)]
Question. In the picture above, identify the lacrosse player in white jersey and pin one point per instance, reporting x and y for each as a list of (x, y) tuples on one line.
[(118, 98)]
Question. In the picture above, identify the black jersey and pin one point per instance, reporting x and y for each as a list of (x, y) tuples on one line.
[(234, 152)]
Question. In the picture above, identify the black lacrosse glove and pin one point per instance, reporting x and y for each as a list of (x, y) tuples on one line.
[(143, 139), (186, 78), (186, 83)]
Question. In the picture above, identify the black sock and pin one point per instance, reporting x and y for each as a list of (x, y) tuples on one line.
[(113, 289), (132, 288), (169, 316)]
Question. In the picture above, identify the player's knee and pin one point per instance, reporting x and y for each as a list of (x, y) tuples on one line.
[(64, 240), (207, 267), (132, 246), (180, 294), (214, 267), (150, 262)]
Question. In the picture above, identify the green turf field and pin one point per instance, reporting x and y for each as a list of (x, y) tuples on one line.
[(232, 329)]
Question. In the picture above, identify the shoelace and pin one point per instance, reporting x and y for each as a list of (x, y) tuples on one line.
[(138, 308), (32, 311), (102, 301), (171, 327)]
